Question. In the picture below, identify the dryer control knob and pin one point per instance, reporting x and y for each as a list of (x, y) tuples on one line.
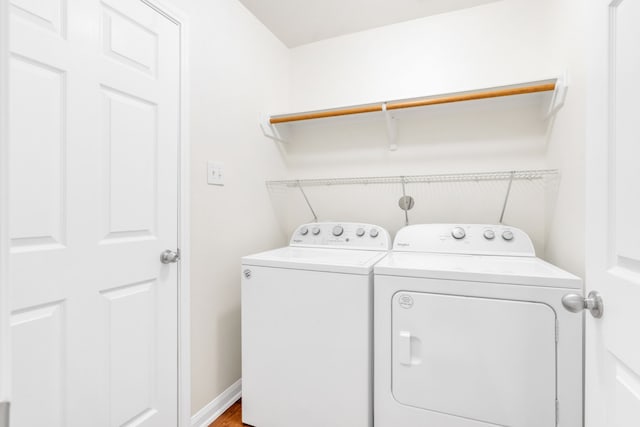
[(315, 231), (360, 232), (304, 231), (507, 235), (489, 234), (374, 233), (458, 233), (338, 230)]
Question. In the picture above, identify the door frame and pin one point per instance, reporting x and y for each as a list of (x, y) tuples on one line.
[(183, 397), (597, 163), (183, 393), (5, 352)]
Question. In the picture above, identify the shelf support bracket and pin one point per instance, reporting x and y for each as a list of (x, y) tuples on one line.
[(269, 130), (306, 199), (558, 97), (392, 128), (506, 197)]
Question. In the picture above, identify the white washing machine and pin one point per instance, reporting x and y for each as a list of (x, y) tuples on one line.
[(470, 331), (307, 328)]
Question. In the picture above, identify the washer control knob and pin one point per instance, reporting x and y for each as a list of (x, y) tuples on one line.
[(507, 235), (489, 234), (315, 231), (304, 231), (458, 233), (360, 232), (338, 230), (374, 233)]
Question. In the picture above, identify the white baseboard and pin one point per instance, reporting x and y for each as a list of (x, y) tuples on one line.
[(217, 406)]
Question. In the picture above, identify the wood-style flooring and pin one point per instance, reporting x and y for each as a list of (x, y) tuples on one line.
[(232, 417)]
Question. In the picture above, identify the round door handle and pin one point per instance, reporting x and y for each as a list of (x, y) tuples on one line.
[(576, 303), (169, 256)]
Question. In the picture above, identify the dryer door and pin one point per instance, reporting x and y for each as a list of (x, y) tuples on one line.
[(482, 359)]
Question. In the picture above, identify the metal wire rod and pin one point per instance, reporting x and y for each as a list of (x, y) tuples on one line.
[(404, 195), (506, 198), (306, 199)]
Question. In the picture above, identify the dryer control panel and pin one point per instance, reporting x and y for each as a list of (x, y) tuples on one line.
[(472, 239), (343, 235)]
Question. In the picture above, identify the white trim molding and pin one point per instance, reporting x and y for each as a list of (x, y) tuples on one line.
[(5, 307), (217, 406)]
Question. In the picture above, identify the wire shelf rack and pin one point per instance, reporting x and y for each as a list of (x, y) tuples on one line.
[(516, 175)]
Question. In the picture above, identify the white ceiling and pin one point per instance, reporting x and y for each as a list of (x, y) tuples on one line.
[(297, 22)]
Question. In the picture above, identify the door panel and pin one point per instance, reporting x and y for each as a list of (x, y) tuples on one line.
[(626, 395), (132, 187), (37, 204), (625, 67), (613, 209), (94, 202), (118, 31), (46, 14), (132, 355), (39, 342)]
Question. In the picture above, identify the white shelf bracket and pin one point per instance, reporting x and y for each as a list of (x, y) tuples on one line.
[(558, 97), (269, 130), (392, 128)]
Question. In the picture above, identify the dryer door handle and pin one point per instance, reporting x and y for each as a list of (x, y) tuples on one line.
[(404, 348)]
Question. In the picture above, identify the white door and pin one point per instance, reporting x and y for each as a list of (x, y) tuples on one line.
[(613, 214), (93, 203)]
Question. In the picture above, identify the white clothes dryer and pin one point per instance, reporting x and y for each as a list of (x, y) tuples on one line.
[(307, 333), (470, 331)]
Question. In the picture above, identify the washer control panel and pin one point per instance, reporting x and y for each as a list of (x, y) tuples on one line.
[(346, 235), (473, 239)]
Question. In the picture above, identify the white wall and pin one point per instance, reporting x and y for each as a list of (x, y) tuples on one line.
[(501, 42), (566, 148), (506, 42), (239, 70)]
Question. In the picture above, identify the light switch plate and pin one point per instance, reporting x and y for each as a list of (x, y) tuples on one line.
[(214, 173)]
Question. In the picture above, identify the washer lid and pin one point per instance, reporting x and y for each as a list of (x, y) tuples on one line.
[(530, 271), (317, 259)]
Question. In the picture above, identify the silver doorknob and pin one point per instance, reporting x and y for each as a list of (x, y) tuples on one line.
[(169, 256), (576, 303)]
